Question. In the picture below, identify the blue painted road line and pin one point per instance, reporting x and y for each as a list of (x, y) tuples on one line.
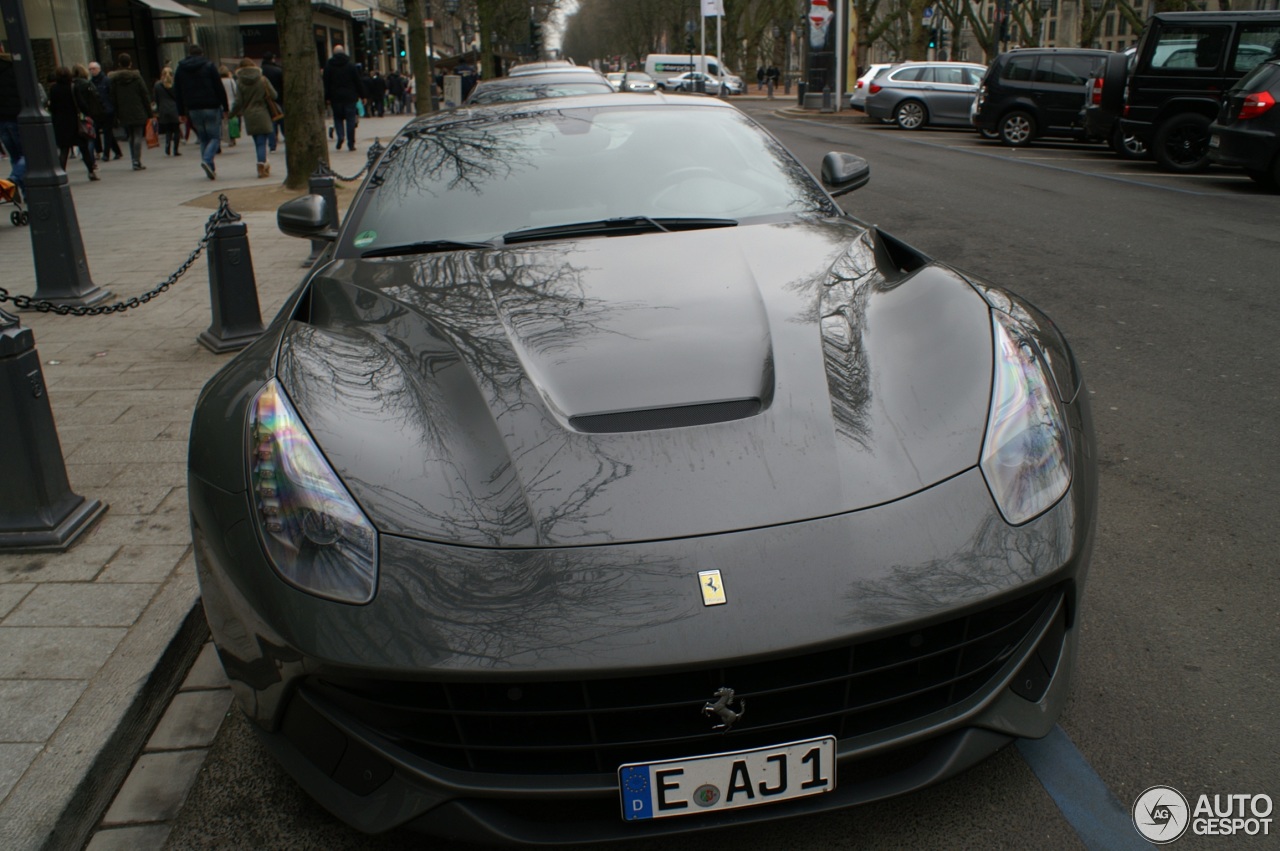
[(1096, 815)]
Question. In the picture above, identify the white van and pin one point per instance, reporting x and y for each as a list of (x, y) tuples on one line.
[(664, 66)]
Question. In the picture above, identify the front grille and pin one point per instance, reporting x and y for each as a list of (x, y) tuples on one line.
[(595, 725)]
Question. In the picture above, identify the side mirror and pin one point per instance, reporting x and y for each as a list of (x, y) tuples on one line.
[(307, 217), (843, 173)]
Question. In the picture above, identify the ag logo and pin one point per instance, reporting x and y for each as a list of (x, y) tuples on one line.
[(1161, 814)]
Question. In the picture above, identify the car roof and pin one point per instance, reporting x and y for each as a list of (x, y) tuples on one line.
[(1216, 17), (543, 78), (465, 113)]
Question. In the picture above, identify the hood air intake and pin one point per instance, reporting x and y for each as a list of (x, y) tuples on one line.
[(653, 419)]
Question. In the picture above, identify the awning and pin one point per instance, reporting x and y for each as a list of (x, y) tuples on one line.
[(168, 6)]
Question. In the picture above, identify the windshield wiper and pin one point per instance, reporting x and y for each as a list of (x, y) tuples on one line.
[(622, 226), (430, 246)]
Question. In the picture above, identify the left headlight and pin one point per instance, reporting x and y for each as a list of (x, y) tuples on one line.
[(316, 536), (1026, 454)]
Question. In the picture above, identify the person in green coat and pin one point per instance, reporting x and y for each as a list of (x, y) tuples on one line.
[(132, 103), (252, 93)]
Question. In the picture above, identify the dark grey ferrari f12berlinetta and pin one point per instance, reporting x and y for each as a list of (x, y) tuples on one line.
[(604, 479)]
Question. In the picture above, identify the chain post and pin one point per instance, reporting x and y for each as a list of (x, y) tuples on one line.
[(321, 183), (38, 510), (233, 289)]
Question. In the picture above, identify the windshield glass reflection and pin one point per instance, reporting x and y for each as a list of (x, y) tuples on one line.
[(471, 181)]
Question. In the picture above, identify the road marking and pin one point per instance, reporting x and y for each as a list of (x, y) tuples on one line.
[(1092, 810)]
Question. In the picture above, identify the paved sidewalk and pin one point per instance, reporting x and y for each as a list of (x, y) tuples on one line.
[(95, 641)]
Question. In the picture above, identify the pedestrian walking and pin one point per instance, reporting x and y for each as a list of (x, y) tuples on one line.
[(67, 115), (132, 103), (230, 129), (202, 99), (275, 76), (395, 88), (167, 113), (342, 90), (10, 106), (377, 91), (252, 92), (108, 145)]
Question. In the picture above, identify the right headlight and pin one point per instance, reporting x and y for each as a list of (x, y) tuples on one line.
[(316, 536), (1026, 457)]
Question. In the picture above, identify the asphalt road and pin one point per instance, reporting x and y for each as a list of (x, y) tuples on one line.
[(1164, 286)]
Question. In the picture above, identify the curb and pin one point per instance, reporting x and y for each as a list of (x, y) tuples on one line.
[(91, 798)]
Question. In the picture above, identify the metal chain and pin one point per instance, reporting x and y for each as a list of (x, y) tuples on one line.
[(224, 213), (375, 151)]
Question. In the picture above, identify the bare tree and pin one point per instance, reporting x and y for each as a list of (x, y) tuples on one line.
[(303, 94)]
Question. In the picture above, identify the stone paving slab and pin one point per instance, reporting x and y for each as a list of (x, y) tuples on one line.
[(94, 641)]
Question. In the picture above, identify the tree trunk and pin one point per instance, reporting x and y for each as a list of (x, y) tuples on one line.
[(305, 146), (416, 11)]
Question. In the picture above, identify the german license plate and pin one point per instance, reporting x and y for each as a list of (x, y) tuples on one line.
[(726, 781), (1215, 140)]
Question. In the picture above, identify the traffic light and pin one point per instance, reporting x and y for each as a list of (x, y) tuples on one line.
[(933, 37), (535, 35), (942, 38), (688, 43)]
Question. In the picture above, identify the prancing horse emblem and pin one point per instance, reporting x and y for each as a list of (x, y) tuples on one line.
[(721, 706)]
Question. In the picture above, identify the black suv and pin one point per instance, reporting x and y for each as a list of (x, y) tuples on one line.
[(1185, 64), (1036, 92)]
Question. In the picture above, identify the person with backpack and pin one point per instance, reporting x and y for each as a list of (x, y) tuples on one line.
[(198, 90)]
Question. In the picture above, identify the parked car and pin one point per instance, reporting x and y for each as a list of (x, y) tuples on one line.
[(1185, 63), (858, 97), (505, 531), (711, 84), (632, 81), (1247, 132), (1104, 100), (919, 94), (531, 86), (540, 67), (1035, 93)]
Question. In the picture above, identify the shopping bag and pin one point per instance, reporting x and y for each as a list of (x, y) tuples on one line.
[(233, 127), (86, 128), (153, 133), (360, 108)]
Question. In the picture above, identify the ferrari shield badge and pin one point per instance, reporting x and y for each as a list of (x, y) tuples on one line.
[(712, 588)]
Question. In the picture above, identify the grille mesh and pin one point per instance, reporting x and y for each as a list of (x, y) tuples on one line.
[(591, 726)]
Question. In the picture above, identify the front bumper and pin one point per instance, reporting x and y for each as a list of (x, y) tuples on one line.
[(494, 623)]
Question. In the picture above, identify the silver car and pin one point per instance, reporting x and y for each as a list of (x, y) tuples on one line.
[(918, 94)]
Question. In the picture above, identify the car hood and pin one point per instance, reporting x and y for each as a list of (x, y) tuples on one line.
[(459, 395)]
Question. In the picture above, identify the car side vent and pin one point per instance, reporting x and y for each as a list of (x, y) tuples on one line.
[(658, 418)]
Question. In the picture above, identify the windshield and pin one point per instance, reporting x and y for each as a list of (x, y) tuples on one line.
[(473, 181)]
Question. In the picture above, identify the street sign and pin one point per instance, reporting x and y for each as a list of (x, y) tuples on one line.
[(361, 14)]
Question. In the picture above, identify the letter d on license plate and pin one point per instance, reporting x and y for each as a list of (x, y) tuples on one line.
[(724, 781)]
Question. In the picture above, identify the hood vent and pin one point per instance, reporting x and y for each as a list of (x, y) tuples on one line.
[(653, 419)]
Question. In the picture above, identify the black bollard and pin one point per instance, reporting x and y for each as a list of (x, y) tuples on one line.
[(233, 290), (38, 511), (321, 183), (826, 100)]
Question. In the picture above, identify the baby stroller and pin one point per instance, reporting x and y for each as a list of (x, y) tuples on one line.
[(10, 194)]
